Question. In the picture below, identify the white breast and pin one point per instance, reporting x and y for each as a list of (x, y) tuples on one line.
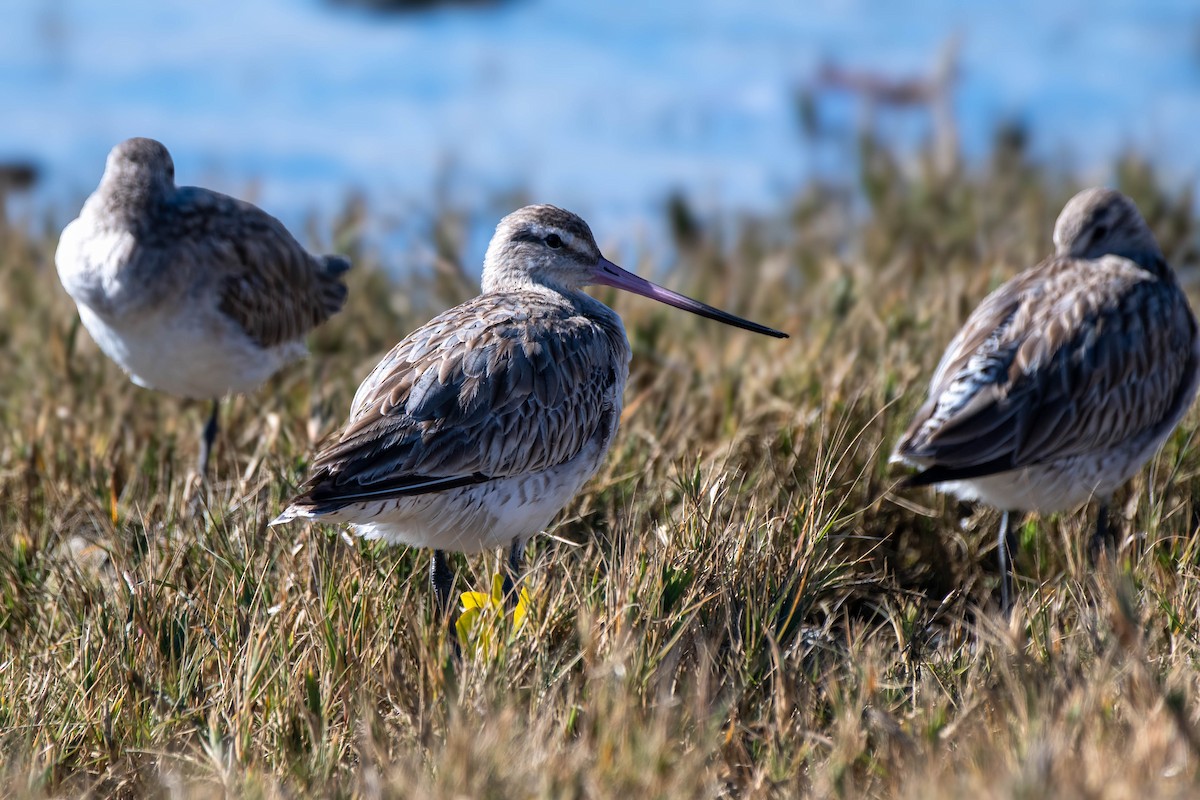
[(197, 354), (165, 335), (89, 263)]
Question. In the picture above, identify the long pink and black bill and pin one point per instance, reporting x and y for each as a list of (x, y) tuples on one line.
[(609, 274)]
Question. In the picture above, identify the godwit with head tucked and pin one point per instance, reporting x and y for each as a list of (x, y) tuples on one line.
[(474, 431), (191, 292), (1066, 379)]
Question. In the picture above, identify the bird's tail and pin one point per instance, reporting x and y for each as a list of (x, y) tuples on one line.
[(290, 513), (333, 286), (335, 266)]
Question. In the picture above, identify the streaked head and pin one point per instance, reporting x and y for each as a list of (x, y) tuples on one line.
[(1099, 222), (547, 246), (140, 166), (543, 245)]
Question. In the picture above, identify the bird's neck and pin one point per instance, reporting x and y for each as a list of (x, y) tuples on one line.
[(592, 308), (579, 301), (123, 204), (511, 281)]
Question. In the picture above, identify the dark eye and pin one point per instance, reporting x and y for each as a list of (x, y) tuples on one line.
[(1099, 233), (553, 241)]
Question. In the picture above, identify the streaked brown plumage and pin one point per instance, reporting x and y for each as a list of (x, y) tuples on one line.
[(486, 400), (474, 431), (1066, 379), (190, 291)]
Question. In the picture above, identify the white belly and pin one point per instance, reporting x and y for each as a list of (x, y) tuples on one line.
[(192, 354), (474, 518), (1059, 486), (482, 517)]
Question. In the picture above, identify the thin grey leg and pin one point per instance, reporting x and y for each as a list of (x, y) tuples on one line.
[(512, 571), (209, 437), (1006, 545), (1102, 539)]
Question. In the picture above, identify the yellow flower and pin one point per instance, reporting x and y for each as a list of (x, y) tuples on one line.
[(482, 615)]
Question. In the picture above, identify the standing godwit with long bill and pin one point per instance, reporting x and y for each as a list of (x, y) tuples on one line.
[(1065, 380), (473, 432)]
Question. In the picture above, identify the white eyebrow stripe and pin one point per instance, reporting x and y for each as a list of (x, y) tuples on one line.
[(569, 239)]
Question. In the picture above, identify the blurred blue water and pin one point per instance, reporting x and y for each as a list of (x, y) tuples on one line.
[(603, 107)]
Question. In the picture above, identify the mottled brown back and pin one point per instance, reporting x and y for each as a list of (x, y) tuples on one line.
[(1070, 357), (503, 385), (269, 285)]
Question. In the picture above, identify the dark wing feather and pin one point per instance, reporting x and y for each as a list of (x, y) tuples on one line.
[(1070, 357), (496, 387), (273, 288)]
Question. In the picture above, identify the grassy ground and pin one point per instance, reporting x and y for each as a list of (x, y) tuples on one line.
[(737, 605)]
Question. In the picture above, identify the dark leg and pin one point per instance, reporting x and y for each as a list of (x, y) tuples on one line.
[(512, 571), (1102, 540), (1006, 545), (441, 580), (209, 438)]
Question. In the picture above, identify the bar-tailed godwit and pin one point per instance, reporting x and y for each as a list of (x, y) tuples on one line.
[(1065, 380), (190, 291), (473, 432)]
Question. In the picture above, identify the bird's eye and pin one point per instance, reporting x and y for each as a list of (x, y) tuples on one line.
[(554, 241), (1099, 233)]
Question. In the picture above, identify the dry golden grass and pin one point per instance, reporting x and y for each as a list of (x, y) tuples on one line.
[(736, 606)]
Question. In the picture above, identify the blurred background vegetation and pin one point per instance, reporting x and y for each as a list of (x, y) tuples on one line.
[(608, 109)]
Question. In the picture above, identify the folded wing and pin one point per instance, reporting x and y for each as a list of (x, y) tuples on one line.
[(1070, 357), (481, 392), (269, 285)]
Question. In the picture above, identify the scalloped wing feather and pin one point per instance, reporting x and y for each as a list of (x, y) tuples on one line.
[(493, 388), (269, 285)]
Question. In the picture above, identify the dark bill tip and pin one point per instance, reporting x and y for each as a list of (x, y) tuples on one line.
[(607, 273)]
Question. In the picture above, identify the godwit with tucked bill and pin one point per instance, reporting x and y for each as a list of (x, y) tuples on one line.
[(190, 291), (1066, 379), (473, 432)]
